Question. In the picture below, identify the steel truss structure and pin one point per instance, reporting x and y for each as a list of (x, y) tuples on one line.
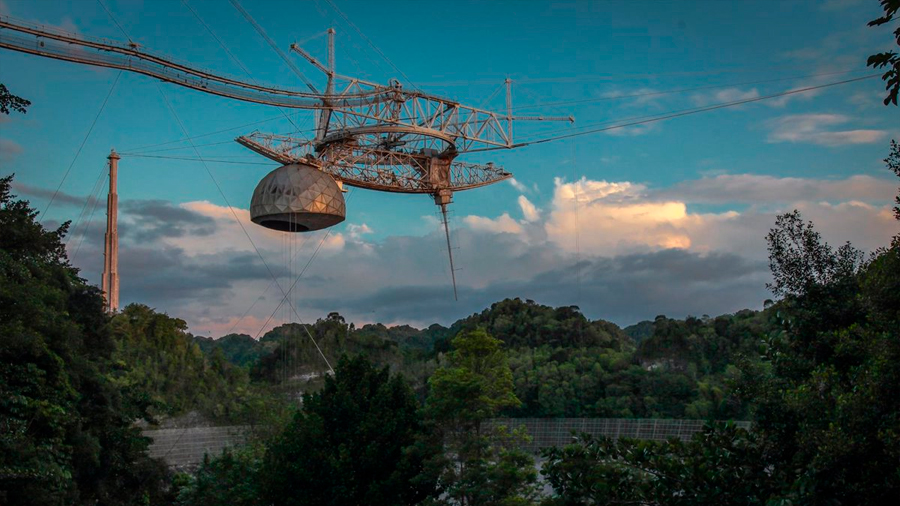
[(368, 135)]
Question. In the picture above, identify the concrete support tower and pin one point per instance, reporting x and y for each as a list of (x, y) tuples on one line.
[(110, 283)]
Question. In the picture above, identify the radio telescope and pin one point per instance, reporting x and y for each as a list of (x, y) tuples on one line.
[(374, 136)]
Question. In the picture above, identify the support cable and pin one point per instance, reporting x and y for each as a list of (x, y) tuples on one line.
[(676, 91), (113, 18), (193, 159), (236, 219), (273, 45), (676, 114), (232, 56), (88, 201), (87, 225), (43, 215), (369, 41), (208, 134)]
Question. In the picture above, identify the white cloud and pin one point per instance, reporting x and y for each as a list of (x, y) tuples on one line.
[(517, 185), (356, 231), (621, 217), (612, 218), (529, 211), (641, 250), (815, 129), (503, 224), (724, 95), (633, 130), (637, 97)]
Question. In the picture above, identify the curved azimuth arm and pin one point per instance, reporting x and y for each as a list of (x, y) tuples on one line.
[(56, 44), (357, 104)]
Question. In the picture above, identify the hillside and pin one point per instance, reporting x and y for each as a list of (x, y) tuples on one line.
[(563, 364)]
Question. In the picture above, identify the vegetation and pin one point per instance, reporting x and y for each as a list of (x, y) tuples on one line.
[(823, 398), (359, 440), (402, 419), (478, 466), (9, 101), (888, 59), (67, 433), (160, 358)]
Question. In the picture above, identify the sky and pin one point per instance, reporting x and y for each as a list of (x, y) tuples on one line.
[(668, 217)]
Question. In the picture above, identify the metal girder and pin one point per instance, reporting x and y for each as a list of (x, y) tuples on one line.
[(52, 43), (367, 166), (359, 104)]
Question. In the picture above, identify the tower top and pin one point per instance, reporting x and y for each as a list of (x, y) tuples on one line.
[(113, 155)]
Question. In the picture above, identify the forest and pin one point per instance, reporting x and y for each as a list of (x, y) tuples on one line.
[(400, 420)]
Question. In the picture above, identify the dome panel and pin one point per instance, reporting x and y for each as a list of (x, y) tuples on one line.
[(297, 198)]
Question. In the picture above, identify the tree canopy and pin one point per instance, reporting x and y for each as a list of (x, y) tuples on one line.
[(68, 434)]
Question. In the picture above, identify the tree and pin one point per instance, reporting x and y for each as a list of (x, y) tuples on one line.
[(232, 478), (889, 59), (360, 440), (9, 101), (67, 433), (893, 163), (479, 467), (721, 465)]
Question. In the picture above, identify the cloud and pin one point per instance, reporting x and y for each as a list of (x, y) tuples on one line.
[(760, 189), (637, 97), (814, 128), (62, 198), (151, 220), (724, 95), (624, 289), (633, 131), (529, 211), (620, 250), (357, 231), (517, 185), (9, 150), (611, 218), (502, 224)]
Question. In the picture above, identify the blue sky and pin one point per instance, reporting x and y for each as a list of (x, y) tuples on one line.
[(667, 217)]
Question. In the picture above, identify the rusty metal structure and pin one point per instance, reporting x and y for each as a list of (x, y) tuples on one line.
[(374, 136)]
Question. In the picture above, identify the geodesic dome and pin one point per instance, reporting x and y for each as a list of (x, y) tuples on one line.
[(297, 198)]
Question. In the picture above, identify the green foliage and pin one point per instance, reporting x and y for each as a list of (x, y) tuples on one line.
[(889, 59), (681, 369), (238, 349), (360, 440), (639, 331), (478, 467), (67, 432), (826, 421), (824, 399), (893, 163), (527, 324), (721, 465), (160, 358), (9, 101), (231, 478)]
